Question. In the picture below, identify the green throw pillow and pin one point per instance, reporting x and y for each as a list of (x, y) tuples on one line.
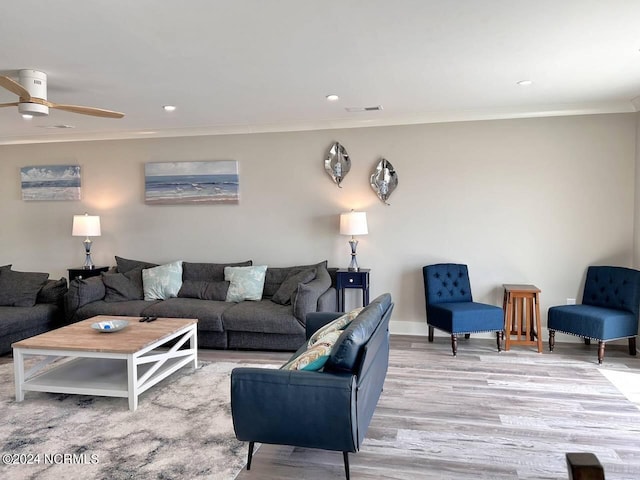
[(339, 323), (162, 282), (246, 283)]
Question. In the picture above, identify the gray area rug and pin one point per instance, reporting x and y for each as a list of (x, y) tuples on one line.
[(182, 429)]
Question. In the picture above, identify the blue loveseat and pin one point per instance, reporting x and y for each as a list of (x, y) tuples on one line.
[(329, 409)]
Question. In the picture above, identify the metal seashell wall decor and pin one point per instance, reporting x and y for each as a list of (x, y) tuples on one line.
[(337, 164), (384, 180)]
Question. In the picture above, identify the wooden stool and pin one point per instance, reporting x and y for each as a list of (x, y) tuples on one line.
[(521, 308)]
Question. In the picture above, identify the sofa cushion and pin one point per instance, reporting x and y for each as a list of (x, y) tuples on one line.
[(52, 291), (247, 283), (277, 275), (305, 299), (162, 282), (262, 316), (204, 290), (20, 289), (348, 349), (83, 291), (120, 287), (130, 308), (208, 312), (339, 323), (314, 357), (208, 272), (290, 285), (125, 265)]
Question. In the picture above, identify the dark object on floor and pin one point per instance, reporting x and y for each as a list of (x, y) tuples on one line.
[(584, 466)]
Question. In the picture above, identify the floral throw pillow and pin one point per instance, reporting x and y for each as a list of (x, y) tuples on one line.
[(339, 323), (160, 283), (315, 357), (245, 283)]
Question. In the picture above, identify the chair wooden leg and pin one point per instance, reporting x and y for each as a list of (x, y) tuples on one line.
[(345, 455), (250, 455), (587, 341), (467, 336), (454, 344), (552, 340), (430, 333), (600, 351), (632, 346), (499, 340), (584, 466)]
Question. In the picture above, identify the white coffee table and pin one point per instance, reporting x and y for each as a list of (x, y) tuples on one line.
[(116, 364)]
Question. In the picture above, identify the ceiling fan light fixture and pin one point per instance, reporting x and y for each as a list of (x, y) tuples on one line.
[(26, 116), (33, 109), (169, 108)]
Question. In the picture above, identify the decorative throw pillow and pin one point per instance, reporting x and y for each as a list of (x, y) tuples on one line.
[(338, 324), (290, 285), (52, 291), (20, 289), (316, 356), (125, 265), (121, 287), (246, 283), (204, 290), (162, 282)]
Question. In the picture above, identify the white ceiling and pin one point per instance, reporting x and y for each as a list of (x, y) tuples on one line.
[(266, 65)]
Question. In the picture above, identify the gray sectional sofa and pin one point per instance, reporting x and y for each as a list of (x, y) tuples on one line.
[(274, 322), (30, 304)]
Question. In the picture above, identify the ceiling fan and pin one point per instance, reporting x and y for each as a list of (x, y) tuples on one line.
[(31, 87)]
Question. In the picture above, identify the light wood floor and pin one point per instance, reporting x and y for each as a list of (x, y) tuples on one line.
[(482, 415)]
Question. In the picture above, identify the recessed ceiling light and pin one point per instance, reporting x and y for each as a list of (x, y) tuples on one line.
[(61, 126), (26, 116), (333, 97), (169, 108), (525, 83)]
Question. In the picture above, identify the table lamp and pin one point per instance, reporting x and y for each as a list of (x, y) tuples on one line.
[(353, 223), (86, 226)]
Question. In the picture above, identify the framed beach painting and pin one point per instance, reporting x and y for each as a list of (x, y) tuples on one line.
[(191, 182), (51, 182)]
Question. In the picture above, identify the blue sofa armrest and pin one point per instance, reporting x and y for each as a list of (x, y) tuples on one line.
[(301, 408), (317, 320)]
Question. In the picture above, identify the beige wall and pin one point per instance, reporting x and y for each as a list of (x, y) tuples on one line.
[(519, 201)]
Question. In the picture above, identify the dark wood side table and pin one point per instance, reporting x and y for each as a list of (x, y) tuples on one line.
[(80, 272), (352, 279), (522, 316)]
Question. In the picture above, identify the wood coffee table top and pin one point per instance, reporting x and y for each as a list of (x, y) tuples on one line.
[(81, 337)]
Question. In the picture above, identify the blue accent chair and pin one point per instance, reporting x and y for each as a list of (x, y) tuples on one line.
[(450, 305), (609, 309)]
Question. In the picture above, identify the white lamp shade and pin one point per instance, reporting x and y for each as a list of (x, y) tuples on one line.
[(86, 226), (353, 223)]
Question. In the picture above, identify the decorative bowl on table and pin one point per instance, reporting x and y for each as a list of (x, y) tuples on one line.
[(109, 325)]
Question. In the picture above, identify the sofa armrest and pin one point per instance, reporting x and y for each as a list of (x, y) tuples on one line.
[(306, 300), (317, 320), (301, 408)]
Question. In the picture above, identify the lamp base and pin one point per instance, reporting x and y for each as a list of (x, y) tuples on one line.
[(353, 266), (88, 264)]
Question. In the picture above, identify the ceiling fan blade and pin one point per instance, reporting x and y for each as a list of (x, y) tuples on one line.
[(14, 87), (13, 104), (96, 112)]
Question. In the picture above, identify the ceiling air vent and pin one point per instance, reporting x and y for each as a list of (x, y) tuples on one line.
[(364, 109)]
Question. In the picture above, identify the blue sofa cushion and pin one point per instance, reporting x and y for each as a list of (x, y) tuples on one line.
[(469, 317), (348, 349), (592, 321)]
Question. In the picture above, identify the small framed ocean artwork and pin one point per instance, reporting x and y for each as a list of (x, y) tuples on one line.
[(191, 182), (51, 182)]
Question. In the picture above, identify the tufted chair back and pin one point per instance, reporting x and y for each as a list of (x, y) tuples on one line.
[(613, 287), (447, 283)]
